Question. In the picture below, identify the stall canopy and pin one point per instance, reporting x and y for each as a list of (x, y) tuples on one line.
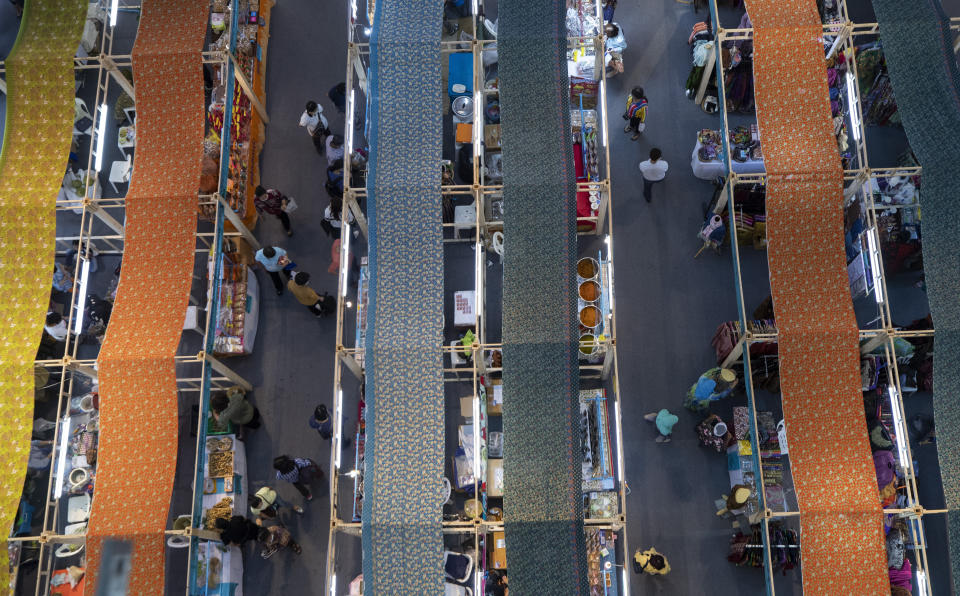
[(39, 76), (918, 46), (402, 533), (841, 520), (543, 509), (138, 391)]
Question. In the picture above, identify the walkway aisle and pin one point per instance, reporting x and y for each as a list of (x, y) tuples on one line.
[(292, 363), (668, 308)]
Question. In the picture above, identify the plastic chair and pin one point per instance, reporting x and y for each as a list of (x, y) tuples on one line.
[(80, 111), (454, 562)]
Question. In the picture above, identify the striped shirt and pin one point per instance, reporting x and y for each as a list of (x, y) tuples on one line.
[(293, 475)]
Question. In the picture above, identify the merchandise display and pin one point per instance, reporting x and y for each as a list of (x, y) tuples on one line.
[(708, 160), (39, 119), (540, 423), (404, 450), (138, 391), (918, 46), (840, 513), (239, 309)]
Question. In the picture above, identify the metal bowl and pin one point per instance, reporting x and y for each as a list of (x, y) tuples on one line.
[(463, 106)]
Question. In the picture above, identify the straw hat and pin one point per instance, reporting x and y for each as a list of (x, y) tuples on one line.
[(727, 375)]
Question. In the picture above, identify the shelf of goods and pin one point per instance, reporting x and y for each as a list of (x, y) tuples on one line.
[(219, 568), (599, 483), (741, 467), (361, 443), (602, 562), (362, 299), (246, 127), (594, 310), (464, 473), (707, 160), (239, 309)]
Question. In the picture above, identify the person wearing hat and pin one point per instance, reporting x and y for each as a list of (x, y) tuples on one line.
[(650, 561), (664, 421), (265, 504), (715, 384)]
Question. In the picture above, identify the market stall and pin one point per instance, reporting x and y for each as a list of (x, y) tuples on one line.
[(220, 567), (707, 159), (239, 309)]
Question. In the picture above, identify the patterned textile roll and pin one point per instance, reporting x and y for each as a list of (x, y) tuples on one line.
[(542, 503), (842, 544), (138, 386), (39, 125), (917, 44), (404, 464)]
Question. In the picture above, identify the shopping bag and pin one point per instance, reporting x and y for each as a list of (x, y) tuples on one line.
[(291, 205)]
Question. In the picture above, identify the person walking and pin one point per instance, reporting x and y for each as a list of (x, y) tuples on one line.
[(304, 294), (654, 170), (274, 259), (274, 202), (234, 407), (275, 538), (338, 96), (650, 561), (636, 113), (664, 421), (334, 149), (332, 218), (316, 124), (322, 422), (266, 505), (299, 472)]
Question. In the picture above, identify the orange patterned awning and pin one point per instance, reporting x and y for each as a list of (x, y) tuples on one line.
[(841, 538), (138, 388)]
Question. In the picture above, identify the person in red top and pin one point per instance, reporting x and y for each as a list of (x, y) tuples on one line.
[(274, 202)]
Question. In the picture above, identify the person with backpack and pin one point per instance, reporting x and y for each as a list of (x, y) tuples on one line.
[(274, 202), (636, 113), (332, 218), (275, 538), (650, 561), (299, 472), (307, 296), (316, 124)]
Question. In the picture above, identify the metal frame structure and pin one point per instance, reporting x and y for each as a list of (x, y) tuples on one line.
[(857, 177), (201, 372), (482, 190)]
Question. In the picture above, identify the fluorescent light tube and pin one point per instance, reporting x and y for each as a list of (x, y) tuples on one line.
[(62, 459), (603, 111), (349, 127), (333, 585), (113, 13), (626, 583), (899, 427), (478, 277), (852, 105), (345, 260), (616, 411), (476, 439), (84, 278), (922, 584), (338, 411), (101, 137)]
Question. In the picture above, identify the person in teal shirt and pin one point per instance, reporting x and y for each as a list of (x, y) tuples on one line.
[(664, 421)]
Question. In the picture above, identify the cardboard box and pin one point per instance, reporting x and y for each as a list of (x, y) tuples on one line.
[(494, 477), (499, 556)]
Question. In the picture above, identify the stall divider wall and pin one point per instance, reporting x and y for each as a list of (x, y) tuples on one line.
[(350, 358), (857, 179)]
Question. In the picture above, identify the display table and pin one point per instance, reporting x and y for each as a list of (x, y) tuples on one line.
[(72, 189), (594, 352), (362, 298), (597, 463), (708, 170), (220, 567), (464, 308), (239, 309)]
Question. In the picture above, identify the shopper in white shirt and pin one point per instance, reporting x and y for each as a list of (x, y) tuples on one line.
[(334, 149), (654, 170), (56, 327), (316, 124)]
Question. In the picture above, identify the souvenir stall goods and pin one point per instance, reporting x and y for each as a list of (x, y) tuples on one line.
[(918, 48), (707, 160), (39, 118), (402, 538), (239, 310), (539, 430), (821, 392), (138, 390)]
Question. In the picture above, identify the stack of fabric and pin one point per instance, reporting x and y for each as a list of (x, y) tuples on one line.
[(543, 508), (402, 534), (917, 43)]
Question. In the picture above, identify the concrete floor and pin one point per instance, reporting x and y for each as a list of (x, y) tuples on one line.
[(668, 305)]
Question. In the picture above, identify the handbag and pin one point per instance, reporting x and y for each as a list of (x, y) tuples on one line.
[(291, 205), (641, 127)]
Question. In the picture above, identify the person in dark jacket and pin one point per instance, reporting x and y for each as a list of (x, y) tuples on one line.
[(237, 530), (338, 95)]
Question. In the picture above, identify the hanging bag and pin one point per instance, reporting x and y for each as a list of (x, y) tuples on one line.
[(291, 205)]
